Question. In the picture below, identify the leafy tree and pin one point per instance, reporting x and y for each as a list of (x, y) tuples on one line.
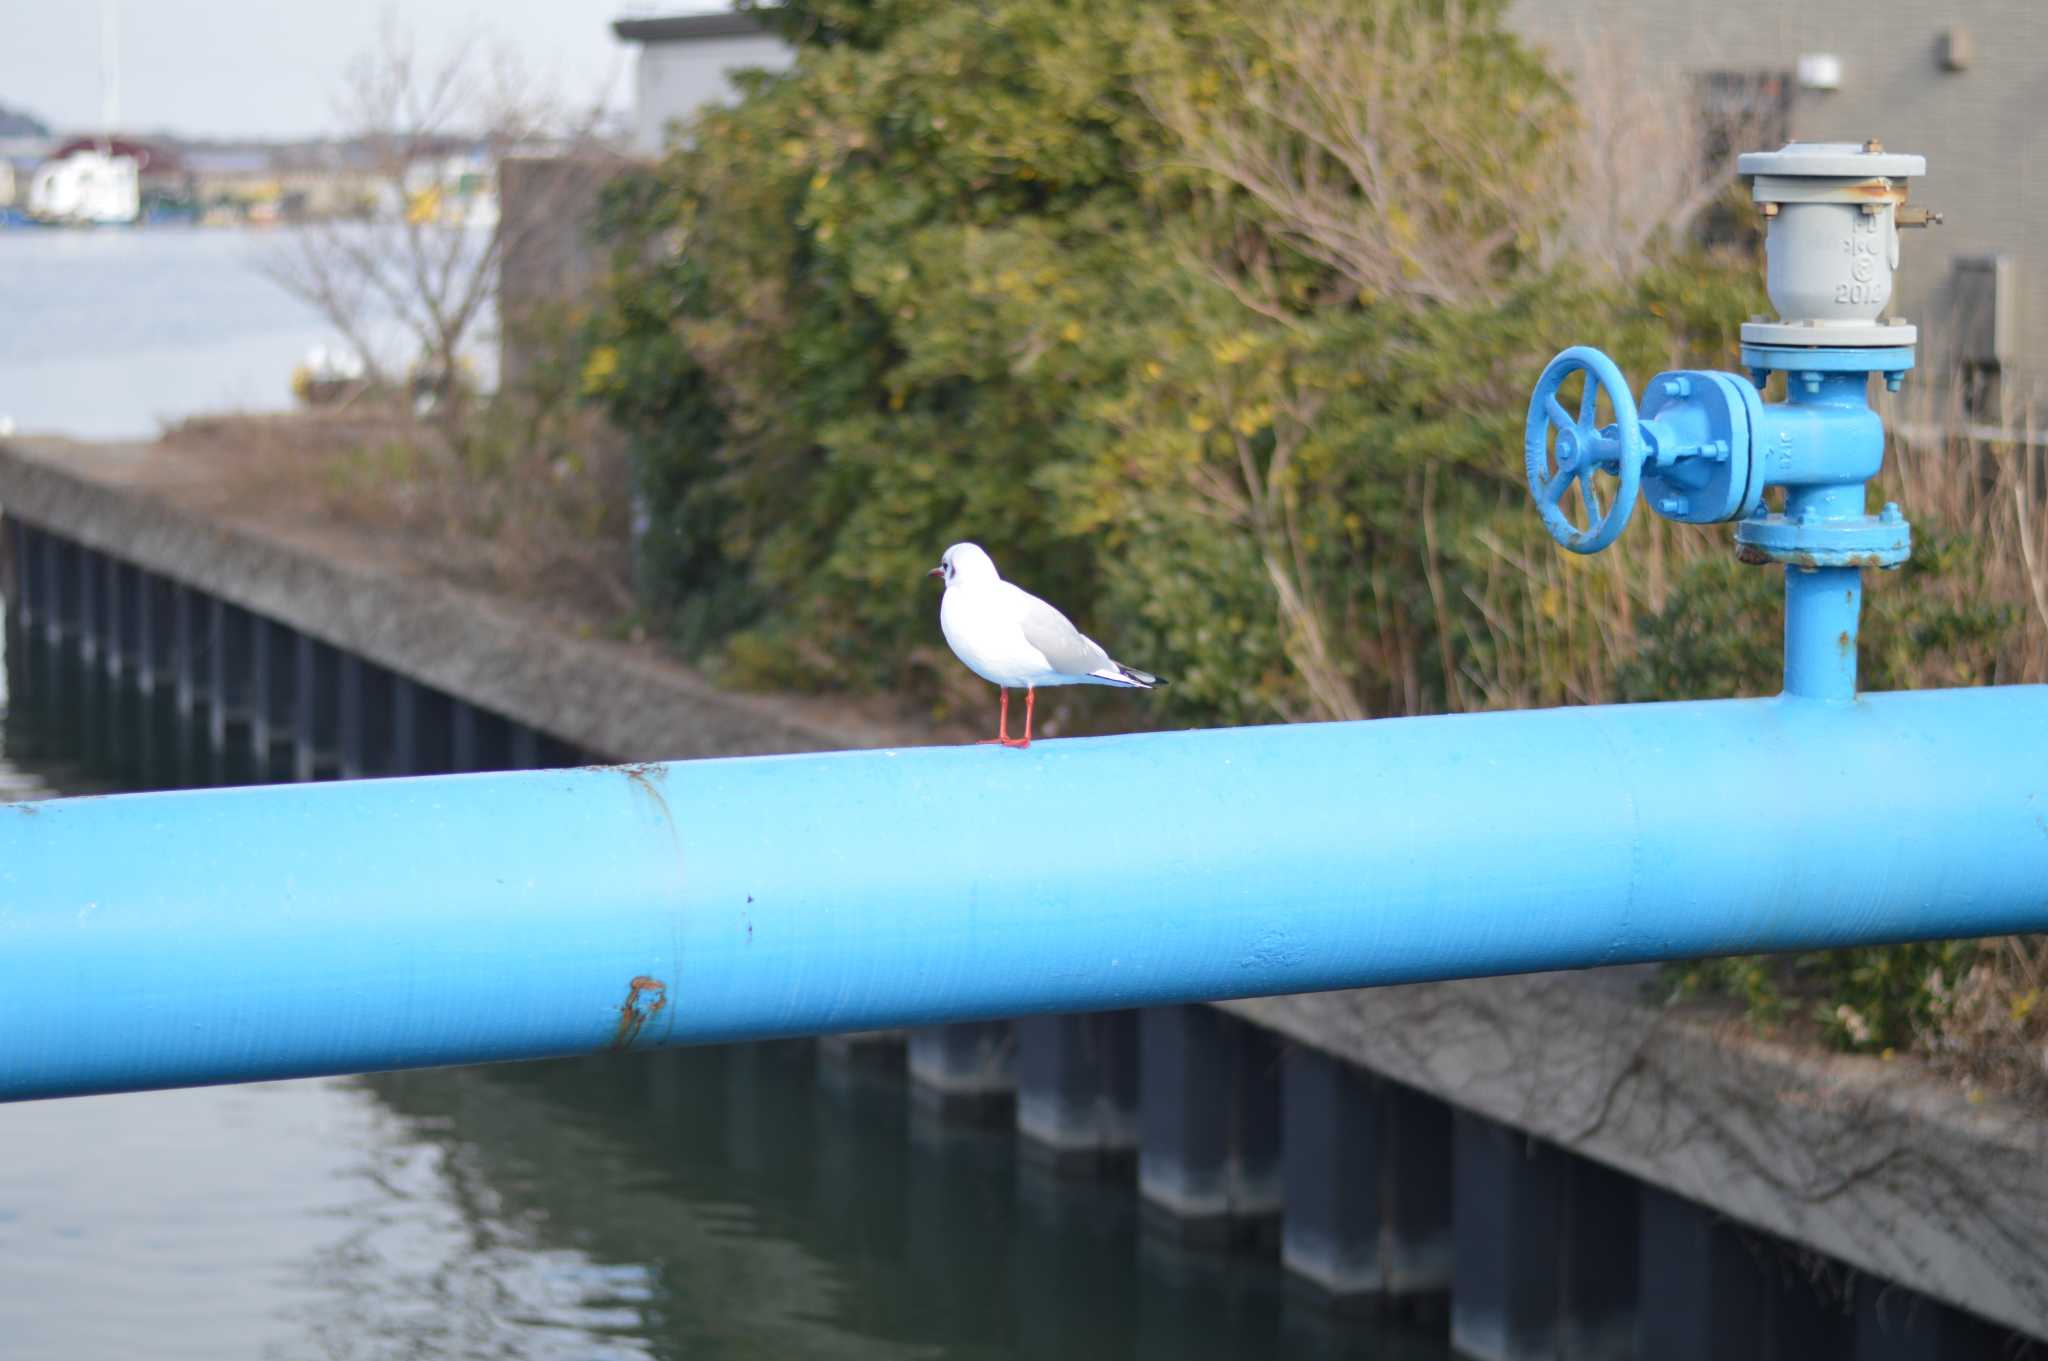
[(1090, 284)]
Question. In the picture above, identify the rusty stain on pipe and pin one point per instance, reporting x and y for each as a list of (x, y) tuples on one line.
[(645, 998)]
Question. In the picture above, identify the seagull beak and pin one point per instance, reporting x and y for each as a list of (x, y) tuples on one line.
[(936, 572)]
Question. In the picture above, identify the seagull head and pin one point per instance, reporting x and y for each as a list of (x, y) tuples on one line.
[(964, 562)]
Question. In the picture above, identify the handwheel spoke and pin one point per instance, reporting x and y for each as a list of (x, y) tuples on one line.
[(1591, 495), (1588, 402), (1559, 417), (1553, 490)]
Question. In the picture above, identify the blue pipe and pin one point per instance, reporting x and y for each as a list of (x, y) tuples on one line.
[(1839, 440), (1823, 608), (230, 935)]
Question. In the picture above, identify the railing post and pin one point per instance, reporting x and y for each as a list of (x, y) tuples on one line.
[(22, 605), (1210, 1094), (350, 703), (968, 1068), (1708, 1292), (305, 699), (1368, 1182), (56, 567), (1077, 1087)]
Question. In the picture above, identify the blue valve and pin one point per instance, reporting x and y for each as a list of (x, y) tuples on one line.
[(1703, 448), (1689, 448)]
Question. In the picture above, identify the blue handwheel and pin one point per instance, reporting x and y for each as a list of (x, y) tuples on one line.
[(1582, 448)]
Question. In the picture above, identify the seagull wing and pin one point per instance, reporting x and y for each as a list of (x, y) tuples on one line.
[(1071, 652)]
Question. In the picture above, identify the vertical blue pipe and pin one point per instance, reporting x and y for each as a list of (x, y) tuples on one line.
[(1824, 605), (1822, 609)]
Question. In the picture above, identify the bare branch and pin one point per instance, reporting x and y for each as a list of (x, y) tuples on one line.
[(1349, 130), (427, 136)]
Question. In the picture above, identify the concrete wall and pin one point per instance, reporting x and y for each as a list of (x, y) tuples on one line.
[(1984, 130), (548, 208)]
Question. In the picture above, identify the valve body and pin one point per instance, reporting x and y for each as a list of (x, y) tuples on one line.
[(1704, 447)]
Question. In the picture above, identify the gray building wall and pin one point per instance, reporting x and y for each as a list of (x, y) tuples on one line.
[(686, 62), (549, 203), (549, 257), (1983, 129)]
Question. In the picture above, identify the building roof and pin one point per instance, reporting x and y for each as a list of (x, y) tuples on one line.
[(150, 160), (683, 28)]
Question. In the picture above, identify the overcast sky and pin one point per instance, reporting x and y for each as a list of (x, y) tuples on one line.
[(270, 68)]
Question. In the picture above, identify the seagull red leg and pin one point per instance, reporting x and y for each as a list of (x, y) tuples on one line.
[(1002, 736), (1030, 699)]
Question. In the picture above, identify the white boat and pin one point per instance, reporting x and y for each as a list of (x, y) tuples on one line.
[(89, 185), (95, 181)]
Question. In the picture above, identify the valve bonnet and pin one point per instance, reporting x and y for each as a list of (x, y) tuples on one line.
[(1832, 243)]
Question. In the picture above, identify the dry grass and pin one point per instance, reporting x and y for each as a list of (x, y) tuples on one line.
[(1991, 1025), (1988, 480), (521, 505)]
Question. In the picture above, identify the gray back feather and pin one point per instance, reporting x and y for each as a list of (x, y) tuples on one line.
[(1072, 652)]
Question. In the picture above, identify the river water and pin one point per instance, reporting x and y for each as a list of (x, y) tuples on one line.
[(115, 333), (745, 1202)]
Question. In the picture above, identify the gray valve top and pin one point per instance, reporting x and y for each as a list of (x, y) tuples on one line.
[(1834, 209)]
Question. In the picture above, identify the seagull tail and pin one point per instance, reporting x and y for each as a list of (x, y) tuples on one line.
[(1128, 677)]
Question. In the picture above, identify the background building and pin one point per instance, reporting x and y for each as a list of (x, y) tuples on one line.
[(1958, 81), (685, 61)]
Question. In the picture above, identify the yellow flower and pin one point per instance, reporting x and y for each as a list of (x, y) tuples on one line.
[(1232, 349), (1252, 419), (599, 369)]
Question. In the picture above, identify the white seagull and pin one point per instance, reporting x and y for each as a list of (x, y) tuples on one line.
[(1011, 638)]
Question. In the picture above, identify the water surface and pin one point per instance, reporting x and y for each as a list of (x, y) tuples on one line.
[(113, 333)]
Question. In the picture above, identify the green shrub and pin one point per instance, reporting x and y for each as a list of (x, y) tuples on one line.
[(964, 273)]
